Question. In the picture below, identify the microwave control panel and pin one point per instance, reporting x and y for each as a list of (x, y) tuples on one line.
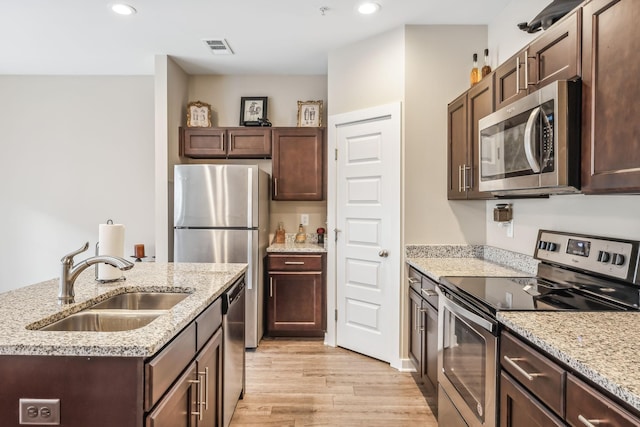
[(612, 257)]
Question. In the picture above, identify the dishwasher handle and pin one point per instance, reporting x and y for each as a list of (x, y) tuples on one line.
[(232, 295)]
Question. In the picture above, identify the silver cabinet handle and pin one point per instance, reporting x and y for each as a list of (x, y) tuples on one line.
[(589, 423), (517, 74), (198, 398), (466, 185), (429, 293), (294, 262), (275, 186), (223, 142), (526, 70), (460, 179), (413, 280), (512, 361), (270, 287), (205, 374), (383, 253)]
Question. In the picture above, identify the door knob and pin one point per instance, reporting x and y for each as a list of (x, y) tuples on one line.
[(383, 253)]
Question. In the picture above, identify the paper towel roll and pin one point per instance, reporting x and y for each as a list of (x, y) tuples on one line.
[(110, 242)]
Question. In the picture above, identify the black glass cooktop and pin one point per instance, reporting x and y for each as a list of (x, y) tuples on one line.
[(523, 294)]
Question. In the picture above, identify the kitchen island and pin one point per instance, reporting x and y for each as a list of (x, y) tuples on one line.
[(152, 375)]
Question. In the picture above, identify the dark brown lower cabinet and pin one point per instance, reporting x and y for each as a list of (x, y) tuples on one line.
[(536, 391), (178, 408), (586, 405), (296, 295), (518, 407), (195, 400)]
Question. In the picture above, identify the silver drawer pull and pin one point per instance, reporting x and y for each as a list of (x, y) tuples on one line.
[(294, 263), (429, 293), (527, 375), (590, 423), (413, 280)]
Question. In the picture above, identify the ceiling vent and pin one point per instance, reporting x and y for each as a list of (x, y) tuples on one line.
[(218, 46)]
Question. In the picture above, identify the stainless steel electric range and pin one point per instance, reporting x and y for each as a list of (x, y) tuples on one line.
[(576, 272)]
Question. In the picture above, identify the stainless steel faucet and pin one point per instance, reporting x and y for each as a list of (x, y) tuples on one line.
[(69, 272)]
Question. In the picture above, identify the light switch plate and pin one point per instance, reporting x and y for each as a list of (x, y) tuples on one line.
[(304, 219)]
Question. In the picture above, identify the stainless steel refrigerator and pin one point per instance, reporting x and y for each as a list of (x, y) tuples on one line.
[(221, 214)]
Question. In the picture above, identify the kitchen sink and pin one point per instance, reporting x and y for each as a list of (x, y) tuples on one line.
[(141, 301), (105, 320), (122, 312)]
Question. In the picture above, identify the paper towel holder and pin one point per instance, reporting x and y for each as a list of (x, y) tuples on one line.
[(121, 278)]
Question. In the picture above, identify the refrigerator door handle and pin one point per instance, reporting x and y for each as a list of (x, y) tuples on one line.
[(250, 193)]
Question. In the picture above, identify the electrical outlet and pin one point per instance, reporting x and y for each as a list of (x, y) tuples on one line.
[(304, 219), (40, 412)]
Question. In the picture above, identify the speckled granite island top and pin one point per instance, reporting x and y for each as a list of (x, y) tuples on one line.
[(37, 305), (602, 346)]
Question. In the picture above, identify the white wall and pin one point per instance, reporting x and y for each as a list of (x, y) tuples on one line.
[(504, 36), (367, 73), (76, 151), (614, 216), (438, 64)]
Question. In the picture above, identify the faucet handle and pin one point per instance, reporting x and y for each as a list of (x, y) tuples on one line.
[(68, 258)]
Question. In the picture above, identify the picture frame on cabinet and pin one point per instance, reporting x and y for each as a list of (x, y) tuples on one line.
[(253, 110), (198, 115), (309, 113)]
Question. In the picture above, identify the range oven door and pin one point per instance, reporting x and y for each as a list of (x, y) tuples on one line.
[(467, 364)]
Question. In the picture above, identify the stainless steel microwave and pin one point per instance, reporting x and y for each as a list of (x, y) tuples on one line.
[(532, 146)]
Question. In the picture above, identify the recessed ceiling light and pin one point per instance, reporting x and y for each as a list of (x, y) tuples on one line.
[(123, 9), (368, 8)]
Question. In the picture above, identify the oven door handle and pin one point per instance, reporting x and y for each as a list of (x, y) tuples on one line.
[(529, 141), (466, 314)]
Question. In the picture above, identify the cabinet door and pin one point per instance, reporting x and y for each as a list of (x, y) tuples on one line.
[(480, 104), (586, 405), (209, 363), (518, 408), (430, 357), (295, 304), (457, 148), (298, 164), (511, 80), (610, 93), (415, 335), (249, 142), (178, 407), (555, 55), (203, 143)]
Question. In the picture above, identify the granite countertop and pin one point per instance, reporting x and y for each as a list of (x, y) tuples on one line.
[(436, 268), (296, 247), (437, 261), (602, 346), (31, 307)]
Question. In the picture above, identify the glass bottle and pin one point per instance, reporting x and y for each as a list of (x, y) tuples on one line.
[(301, 236), (486, 69), (475, 73)]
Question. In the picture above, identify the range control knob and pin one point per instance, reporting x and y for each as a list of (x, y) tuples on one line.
[(542, 245), (604, 256), (618, 259), (551, 246)]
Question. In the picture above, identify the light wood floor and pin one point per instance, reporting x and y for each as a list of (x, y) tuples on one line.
[(305, 383)]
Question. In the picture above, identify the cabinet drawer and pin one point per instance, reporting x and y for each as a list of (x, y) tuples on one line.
[(415, 278), (163, 369), (584, 403), (537, 373), (295, 262), (208, 322), (519, 408)]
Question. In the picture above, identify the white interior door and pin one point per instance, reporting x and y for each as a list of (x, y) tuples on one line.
[(367, 246)]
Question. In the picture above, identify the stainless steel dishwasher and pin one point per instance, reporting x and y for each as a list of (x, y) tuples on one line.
[(233, 317)]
